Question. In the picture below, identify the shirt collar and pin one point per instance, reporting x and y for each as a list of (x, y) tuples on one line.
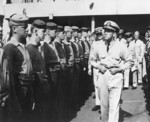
[(136, 40), (56, 40), (73, 39), (66, 42), (112, 42), (82, 38), (15, 42)]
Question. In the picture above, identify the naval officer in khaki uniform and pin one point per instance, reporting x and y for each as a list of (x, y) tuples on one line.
[(107, 57)]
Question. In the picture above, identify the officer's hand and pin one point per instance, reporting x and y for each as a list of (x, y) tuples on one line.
[(90, 72), (102, 69), (113, 71)]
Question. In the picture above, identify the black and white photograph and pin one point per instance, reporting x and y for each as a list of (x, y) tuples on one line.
[(74, 60)]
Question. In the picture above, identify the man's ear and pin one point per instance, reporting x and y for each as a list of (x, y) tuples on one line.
[(14, 29), (35, 31), (114, 35), (57, 33), (65, 34)]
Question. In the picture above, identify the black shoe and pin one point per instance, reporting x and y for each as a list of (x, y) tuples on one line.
[(125, 88), (139, 83), (94, 97), (99, 111), (95, 108), (100, 117), (133, 87)]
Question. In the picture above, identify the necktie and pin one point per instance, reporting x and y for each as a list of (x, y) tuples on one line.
[(108, 47)]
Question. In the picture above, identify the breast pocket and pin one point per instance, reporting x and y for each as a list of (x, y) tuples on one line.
[(102, 56), (115, 59)]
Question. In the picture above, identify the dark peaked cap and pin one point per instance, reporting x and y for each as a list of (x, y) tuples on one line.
[(121, 32), (128, 34), (67, 28), (51, 25), (75, 28), (84, 29), (18, 20), (60, 28), (39, 24), (98, 30)]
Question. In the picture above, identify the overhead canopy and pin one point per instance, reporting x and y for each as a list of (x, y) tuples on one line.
[(80, 8)]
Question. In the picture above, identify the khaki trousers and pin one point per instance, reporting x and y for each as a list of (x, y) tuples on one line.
[(95, 79), (110, 87), (140, 73), (127, 78)]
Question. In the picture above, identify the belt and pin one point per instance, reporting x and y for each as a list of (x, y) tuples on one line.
[(51, 64), (77, 60), (42, 78), (70, 63), (55, 68), (25, 80)]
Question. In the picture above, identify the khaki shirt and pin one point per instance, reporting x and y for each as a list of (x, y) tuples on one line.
[(114, 57), (139, 49), (123, 41)]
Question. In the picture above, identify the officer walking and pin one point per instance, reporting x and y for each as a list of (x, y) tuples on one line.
[(107, 57)]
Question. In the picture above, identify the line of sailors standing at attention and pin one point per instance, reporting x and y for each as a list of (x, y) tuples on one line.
[(46, 74)]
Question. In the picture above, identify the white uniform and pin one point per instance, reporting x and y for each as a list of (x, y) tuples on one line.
[(127, 71), (139, 49), (95, 77), (123, 41), (110, 86), (144, 63), (134, 69)]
